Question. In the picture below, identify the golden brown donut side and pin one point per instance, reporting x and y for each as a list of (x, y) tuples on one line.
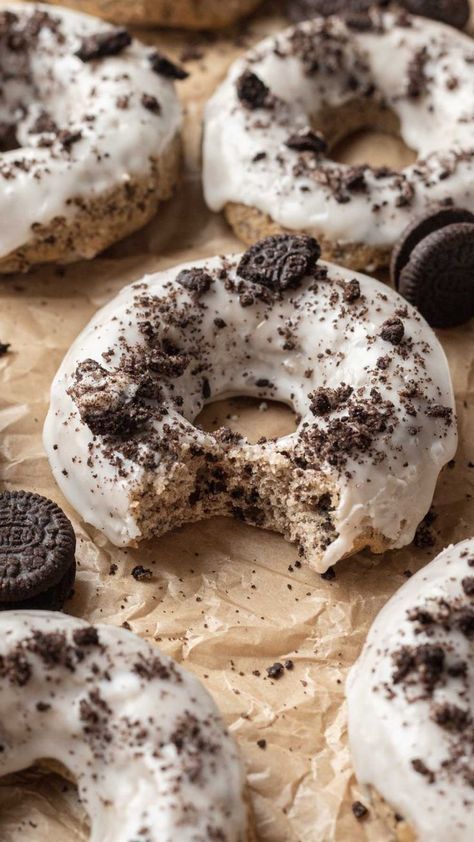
[(401, 830), (250, 225), (189, 14), (101, 220)]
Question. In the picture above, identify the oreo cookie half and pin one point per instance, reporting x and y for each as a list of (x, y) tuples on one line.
[(439, 277), (37, 546), (453, 12), (280, 261), (418, 230)]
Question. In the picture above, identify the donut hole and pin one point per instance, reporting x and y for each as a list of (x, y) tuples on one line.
[(23, 796), (251, 417), (363, 132)]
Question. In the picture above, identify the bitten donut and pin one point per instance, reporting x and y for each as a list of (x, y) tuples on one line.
[(271, 125), (364, 373), (189, 14), (89, 135), (141, 737), (411, 703)]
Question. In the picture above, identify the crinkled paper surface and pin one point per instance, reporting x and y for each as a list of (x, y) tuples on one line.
[(225, 599)]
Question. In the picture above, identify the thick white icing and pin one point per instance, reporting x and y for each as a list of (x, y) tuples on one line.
[(115, 147), (387, 732), (334, 343), (437, 125), (142, 737)]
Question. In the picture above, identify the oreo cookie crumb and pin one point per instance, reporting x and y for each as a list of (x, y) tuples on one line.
[(307, 141), (197, 281), (252, 92), (104, 44), (142, 574), (276, 670), (360, 810), (393, 331), (165, 67)]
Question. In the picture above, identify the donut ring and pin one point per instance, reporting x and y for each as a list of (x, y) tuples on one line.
[(140, 736), (411, 703), (189, 14), (270, 127), (98, 136), (364, 373)]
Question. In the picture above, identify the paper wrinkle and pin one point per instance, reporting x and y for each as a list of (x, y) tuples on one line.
[(222, 598)]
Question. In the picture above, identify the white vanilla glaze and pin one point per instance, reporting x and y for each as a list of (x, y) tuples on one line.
[(116, 145), (438, 124), (392, 723), (143, 739), (389, 488)]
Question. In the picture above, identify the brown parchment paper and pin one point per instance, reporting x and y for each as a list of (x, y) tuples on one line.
[(225, 599)]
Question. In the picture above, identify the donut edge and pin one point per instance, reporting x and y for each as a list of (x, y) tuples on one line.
[(250, 225), (102, 220)]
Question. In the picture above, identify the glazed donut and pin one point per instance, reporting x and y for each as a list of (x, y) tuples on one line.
[(411, 703), (362, 370), (189, 14), (140, 736), (270, 127), (90, 132)]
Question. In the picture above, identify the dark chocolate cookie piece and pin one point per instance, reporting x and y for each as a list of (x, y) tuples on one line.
[(104, 44), (252, 92), (307, 141), (453, 12), (280, 261), (195, 280), (37, 546), (165, 67), (418, 230), (439, 277)]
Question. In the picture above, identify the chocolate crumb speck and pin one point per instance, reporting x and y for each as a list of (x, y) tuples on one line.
[(142, 574), (276, 670), (360, 810)]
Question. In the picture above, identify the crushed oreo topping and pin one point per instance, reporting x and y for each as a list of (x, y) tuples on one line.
[(393, 331), (196, 281), (165, 67), (307, 140), (108, 401), (252, 92), (104, 44)]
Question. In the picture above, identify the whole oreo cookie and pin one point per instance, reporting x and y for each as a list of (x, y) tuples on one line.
[(453, 12), (439, 277), (418, 230), (37, 546), (280, 261)]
